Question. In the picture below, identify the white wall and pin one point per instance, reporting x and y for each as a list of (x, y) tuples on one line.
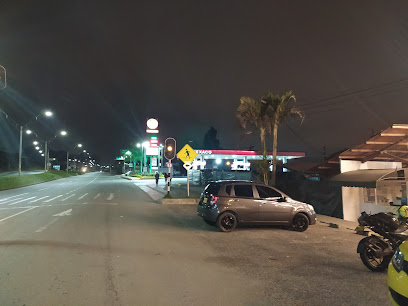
[(350, 165), (351, 203)]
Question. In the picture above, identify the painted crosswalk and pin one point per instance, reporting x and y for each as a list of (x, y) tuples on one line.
[(68, 197)]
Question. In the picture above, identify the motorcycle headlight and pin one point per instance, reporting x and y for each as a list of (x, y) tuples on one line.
[(398, 260)]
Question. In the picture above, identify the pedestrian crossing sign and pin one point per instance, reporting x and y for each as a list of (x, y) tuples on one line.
[(187, 154)]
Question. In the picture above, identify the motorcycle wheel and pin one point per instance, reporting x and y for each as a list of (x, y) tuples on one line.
[(369, 259)]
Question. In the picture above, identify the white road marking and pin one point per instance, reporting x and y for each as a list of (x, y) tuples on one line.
[(13, 197), (42, 189), (111, 196), (151, 192), (46, 226), (8, 201), (82, 196), (53, 199), (23, 200), (97, 196), (38, 199), (64, 213), (19, 213), (72, 195)]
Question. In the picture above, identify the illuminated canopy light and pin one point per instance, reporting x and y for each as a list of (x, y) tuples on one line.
[(218, 161)]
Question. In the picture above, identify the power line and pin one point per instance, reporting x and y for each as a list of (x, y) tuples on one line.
[(308, 105)]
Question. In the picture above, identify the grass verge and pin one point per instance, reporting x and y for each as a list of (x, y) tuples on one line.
[(10, 182)]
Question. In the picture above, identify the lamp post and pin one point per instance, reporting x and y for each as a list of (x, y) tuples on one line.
[(20, 153), (47, 151), (77, 146)]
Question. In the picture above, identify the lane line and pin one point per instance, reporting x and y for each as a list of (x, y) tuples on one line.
[(97, 196), (13, 196), (82, 196), (43, 189), (46, 226), (53, 199), (111, 196), (19, 213), (23, 200), (38, 199), (9, 201), (72, 195)]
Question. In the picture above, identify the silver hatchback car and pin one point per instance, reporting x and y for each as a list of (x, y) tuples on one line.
[(228, 203)]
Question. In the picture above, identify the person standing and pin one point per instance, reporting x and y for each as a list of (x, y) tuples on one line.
[(156, 176)]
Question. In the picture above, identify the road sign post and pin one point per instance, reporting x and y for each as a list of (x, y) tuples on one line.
[(169, 154), (187, 155)]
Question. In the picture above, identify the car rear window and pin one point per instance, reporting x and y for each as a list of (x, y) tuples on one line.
[(244, 191), (266, 192), (212, 188), (228, 189)]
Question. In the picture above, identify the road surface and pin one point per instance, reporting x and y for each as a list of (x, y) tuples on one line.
[(98, 239)]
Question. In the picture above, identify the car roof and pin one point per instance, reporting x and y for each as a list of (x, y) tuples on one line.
[(230, 181)]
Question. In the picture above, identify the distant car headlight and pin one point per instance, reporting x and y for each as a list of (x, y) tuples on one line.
[(398, 260)]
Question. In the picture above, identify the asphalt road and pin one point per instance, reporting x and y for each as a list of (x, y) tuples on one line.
[(98, 239)]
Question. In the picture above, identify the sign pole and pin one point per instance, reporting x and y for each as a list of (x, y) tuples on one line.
[(188, 186), (168, 179)]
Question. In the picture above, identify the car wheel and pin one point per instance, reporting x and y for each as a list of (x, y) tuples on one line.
[(226, 222), (300, 222), (209, 222)]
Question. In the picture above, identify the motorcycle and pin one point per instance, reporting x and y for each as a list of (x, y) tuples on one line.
[(376, 251)]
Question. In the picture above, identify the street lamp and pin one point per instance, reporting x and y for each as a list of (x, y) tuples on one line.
[(47, 114), (77, 146), (47, 151)]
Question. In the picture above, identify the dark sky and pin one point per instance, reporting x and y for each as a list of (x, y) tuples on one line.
[(104, 67)]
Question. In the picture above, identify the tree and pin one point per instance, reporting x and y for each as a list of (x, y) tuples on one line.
[(210, 140), (253, 114), (280, 109)]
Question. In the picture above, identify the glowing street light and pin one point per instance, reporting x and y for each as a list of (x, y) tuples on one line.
[(35, 143), (28, 132), (63, 133)]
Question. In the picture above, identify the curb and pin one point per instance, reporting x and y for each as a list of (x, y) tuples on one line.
[(126, 177), (191, 201)]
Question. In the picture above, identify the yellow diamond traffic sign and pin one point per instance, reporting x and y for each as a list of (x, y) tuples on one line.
[(187, 154)]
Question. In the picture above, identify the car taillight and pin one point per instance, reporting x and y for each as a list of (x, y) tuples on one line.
[(213, 200)]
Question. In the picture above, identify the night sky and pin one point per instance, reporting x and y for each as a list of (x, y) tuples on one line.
[(104, 67)]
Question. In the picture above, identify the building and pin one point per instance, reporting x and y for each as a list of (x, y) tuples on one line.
[(373, 174), (235, 159)]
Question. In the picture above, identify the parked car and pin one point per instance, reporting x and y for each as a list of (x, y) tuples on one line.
[(229, 203), (398, 276)]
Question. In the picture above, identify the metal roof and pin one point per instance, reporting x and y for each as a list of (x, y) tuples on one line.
[(388, 145), (361, 178)]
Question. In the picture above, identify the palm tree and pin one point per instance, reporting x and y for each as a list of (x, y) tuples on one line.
[(254, 112), (279, 110)]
